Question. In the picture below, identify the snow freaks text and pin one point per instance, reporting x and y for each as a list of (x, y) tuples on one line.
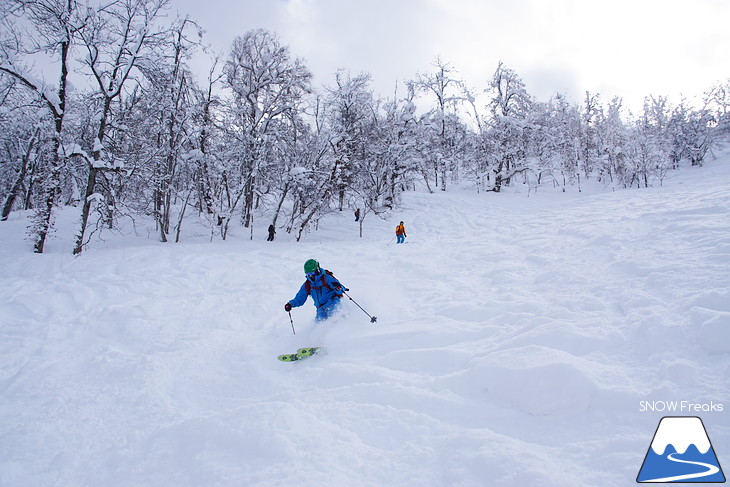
[(680, 407)]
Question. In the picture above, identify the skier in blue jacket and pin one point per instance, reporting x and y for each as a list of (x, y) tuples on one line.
[(324, 288)]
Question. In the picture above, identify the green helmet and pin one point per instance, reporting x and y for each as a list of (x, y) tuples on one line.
[(310, 266)]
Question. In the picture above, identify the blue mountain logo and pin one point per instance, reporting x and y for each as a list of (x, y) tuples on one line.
[(680, 452)]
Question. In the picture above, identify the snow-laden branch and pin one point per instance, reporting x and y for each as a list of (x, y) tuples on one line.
[(44, 91)]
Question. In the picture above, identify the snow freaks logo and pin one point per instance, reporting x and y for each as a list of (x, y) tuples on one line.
[(680, 452), (680, 407)]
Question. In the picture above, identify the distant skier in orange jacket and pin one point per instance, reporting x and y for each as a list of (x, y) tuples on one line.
[(400, 233)]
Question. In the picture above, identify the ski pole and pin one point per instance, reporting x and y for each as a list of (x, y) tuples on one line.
[(373, 319), (292, 323), (389, 241)]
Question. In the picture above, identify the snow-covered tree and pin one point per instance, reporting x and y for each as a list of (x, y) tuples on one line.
[(441, 123), (350, 110), (117, 38), (399, 129), (176, 111), (555, 141), (312, 182), (265, 83), (677, 134), (52, 25), (616, 150), (591, 145), (22, 135), (389, 158), (717, 99), (206, 175), (509, 107), (699, 135)]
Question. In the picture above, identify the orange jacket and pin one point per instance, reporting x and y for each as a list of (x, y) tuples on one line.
[(400, 230)]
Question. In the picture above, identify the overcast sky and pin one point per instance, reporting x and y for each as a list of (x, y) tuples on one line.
[(629, 48)]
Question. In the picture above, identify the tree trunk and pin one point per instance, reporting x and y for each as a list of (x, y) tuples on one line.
[(44, 216), (248, 201), (17, 186), (90, 185), (281, 203)]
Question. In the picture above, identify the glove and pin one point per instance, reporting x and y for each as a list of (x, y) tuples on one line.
[(287, 307)]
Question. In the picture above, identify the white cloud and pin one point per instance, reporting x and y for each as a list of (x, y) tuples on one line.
[(629, 48)]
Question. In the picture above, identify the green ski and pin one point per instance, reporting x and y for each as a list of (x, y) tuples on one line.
[(302, 353)]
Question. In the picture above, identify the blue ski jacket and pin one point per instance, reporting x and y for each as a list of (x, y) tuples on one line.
[(325, 290)]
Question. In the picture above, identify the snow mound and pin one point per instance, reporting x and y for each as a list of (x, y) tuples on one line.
[(535, 380)]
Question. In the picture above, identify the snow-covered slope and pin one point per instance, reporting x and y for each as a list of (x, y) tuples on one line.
[(517, 337)]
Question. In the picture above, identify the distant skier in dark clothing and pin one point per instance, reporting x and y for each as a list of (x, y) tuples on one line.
[(324, 288), (357, 215), (272, 231)]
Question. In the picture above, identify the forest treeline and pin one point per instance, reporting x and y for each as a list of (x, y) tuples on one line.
[(144, 137)]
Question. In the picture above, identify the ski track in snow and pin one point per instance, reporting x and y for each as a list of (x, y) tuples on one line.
[(516, 337)]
